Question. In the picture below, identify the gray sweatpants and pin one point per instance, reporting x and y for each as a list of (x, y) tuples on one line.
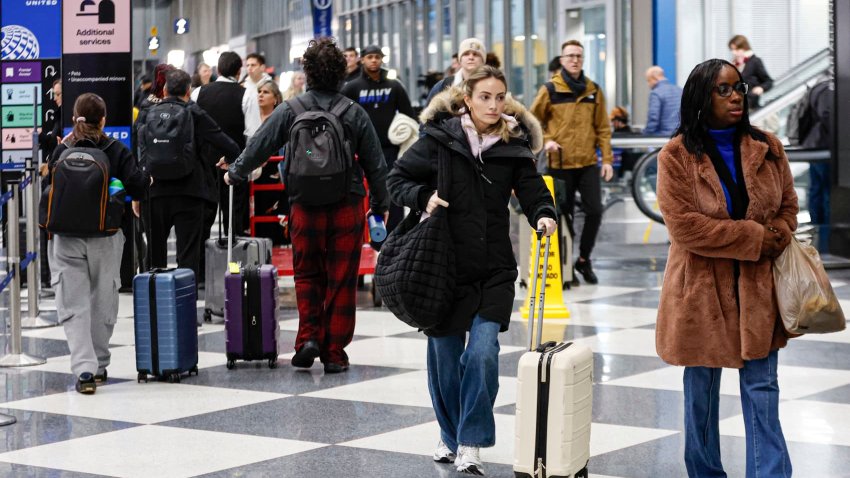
[(85, 273)]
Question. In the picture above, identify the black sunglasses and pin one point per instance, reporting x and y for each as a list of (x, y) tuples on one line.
[(725, 90)]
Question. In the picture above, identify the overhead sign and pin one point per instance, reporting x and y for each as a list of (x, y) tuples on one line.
[(181, 26), (31, 29), (322, 17), (97, 58), (91, 26), (30, 47)]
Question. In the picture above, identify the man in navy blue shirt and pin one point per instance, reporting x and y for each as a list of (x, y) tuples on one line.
[(381, 97), (664, 101)]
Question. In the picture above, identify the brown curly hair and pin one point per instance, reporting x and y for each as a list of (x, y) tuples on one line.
[(324, 64)]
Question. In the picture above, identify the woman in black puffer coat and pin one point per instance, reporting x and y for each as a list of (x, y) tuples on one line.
[(492, 141)]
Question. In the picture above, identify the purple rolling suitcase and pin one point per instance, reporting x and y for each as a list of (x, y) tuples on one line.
[(251, 314), (250, 308)]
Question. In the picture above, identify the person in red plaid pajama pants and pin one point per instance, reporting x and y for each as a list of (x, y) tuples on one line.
[(326, 240), (326, 244)]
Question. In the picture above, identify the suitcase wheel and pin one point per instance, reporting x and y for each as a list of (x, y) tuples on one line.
[(174, 378), (142, 376), (376, 297), (231, 364), (193, 369), (273, 363), (567, 285), (207, 316)]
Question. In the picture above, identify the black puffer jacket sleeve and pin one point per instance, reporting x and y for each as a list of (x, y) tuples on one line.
[(533, 195), (414, 177)]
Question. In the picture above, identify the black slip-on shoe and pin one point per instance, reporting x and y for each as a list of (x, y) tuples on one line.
[(304, 358), (586, 270)]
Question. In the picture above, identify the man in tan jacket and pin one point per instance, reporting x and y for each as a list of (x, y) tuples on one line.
[(572, 110)]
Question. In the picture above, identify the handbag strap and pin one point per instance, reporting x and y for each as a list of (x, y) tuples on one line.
[(444, 172)]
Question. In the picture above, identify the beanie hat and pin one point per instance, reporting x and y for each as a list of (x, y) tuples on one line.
[(472, 44)]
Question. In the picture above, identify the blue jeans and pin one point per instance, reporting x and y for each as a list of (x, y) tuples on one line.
[(819, 183), (767, 455), (463, 380)]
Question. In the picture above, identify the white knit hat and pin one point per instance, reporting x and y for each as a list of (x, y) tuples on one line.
[(472, 44)]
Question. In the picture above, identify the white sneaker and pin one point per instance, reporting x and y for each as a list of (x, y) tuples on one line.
[(443, 454), (468, 462)]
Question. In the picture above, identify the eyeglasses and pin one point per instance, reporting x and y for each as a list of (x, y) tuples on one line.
[(572, 57), (725, 90)]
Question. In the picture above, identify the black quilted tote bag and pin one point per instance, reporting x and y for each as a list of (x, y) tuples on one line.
[(415, 273)]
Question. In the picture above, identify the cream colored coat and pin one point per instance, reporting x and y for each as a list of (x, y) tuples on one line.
[(702, 319)]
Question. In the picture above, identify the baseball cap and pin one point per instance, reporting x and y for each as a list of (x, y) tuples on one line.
[(472, 44), (372, 50)]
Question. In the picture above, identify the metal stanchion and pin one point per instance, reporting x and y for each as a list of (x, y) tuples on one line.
[(34, 319), (16, 357)]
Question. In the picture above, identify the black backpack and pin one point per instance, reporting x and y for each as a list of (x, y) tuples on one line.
[(803, 117), (166, 141), (319, 161), (77, 202)]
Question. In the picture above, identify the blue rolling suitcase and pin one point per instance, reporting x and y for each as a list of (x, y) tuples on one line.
[(164, 305)]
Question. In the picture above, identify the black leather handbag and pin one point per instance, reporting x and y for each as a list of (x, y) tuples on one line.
[(415, 273)]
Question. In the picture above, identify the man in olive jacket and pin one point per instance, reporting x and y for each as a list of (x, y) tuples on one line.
[(572, 110)]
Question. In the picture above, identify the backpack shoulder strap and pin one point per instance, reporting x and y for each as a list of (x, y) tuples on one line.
[(341, 106), (108, 144), (297, 105), (550, 87)]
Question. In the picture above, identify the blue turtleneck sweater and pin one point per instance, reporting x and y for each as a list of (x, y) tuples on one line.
[(724, 139)]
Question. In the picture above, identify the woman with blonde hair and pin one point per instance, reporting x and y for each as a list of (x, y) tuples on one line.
[(491, 141), (296, 86)]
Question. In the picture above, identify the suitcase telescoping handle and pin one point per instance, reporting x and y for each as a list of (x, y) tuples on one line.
[(230, 226), (538, 273)]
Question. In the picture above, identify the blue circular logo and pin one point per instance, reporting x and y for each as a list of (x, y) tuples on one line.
[(18, 43)]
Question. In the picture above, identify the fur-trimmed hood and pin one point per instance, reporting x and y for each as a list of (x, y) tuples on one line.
[(440, 107)]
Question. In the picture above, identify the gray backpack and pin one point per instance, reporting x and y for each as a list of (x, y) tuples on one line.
[(319, 161)]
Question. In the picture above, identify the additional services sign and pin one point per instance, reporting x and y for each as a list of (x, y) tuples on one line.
[(97, 58)]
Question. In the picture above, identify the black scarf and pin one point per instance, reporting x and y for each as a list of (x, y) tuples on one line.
[(576, 86)]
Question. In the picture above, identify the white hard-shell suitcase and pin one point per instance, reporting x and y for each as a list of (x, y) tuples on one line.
[(554, 398)]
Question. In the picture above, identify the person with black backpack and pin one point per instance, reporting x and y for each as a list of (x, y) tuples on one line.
[(171, 133), (90, 176), (322, 131)]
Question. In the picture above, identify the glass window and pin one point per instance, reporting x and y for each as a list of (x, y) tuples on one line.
[(539, 40), (447, 33), (595, 43), (461, 20), (518, 58), (478, 23), (497, 28), (433, 61)]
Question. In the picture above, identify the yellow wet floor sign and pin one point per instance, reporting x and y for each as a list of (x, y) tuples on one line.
[(554, 307)]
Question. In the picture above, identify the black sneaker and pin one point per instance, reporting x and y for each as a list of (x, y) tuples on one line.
[(304, 358), (86, 384), (586, 270), (100, 378)]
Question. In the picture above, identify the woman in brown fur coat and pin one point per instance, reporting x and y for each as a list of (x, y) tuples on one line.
[(727, 196)]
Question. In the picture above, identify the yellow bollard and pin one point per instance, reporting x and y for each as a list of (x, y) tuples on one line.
[(554, 307)]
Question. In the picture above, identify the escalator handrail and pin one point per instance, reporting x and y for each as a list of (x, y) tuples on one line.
[(793, 75)]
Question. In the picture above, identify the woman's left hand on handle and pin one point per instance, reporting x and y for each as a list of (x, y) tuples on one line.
[(548, 225)]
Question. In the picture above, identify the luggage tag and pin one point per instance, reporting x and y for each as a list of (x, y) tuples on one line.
[(233, 267)]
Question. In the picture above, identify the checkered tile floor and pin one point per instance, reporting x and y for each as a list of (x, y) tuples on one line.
[(376, 420)]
